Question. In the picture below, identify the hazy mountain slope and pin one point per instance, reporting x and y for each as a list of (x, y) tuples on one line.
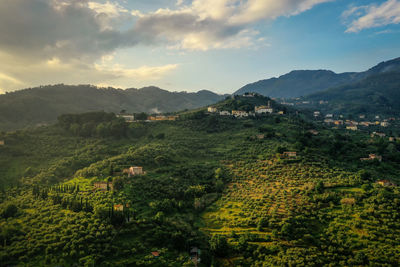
[(304, 82), (297, 83), (42, 105), (379, 94)]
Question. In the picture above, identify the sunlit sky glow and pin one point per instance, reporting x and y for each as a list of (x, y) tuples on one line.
[(219, 45)]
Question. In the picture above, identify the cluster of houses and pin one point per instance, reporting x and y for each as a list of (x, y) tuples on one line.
[(352, 124), (372, 157), (258, 110), (162, 118)]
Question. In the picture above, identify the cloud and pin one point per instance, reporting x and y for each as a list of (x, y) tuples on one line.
[(8, 82), (143, 73), (71, 29), (43, 29), (207, 24), (372, 16), (52, 41), (112, 10)]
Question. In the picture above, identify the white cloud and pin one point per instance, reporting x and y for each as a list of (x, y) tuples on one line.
[(179, 2), (144, 73), (74, 41), (216, 24), (112, 10), (7, 82), (372, 16)]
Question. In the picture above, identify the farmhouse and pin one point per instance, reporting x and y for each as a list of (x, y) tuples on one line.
[(352, 127), (155, 254), (212, 109), (378, 134), (313, 132), (260, 136), (317, 113), (384, 124), (385, 183), (289, 154), (127, 117), (162, 118), (263, 109), (365, 123), (134, 170), (2, 143), (104, 186), (249, 94), (195, 254), (118, 207), (372, 157)]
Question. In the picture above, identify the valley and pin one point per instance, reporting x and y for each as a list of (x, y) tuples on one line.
[(249, 191)]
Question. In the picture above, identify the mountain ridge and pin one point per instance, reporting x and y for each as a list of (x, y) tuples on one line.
[(32, 106), (307, 82), (376, 94)]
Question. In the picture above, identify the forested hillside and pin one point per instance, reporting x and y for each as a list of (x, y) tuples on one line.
[(218, 184), (42, 105), (377, 95)]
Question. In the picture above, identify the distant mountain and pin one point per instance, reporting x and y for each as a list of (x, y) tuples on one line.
[(304, 82), (377, 94), (44, 104)]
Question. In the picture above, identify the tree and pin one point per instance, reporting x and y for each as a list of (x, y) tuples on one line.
[(141, 116), (219, 245), (10, 211), (118, 183), (319, 187)]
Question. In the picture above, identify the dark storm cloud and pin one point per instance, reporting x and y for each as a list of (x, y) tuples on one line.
[(46, 29)]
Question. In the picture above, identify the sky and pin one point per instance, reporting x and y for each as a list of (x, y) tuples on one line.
[(189, 45)]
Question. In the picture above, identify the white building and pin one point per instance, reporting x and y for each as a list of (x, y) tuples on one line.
[(224, 113), (127, 117), (352, 128), (239, 113), (263, 110), (384, 124), (212, 109)]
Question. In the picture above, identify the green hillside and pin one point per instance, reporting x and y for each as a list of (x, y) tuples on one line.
[(378, 94), (213, 182), (42, 105)]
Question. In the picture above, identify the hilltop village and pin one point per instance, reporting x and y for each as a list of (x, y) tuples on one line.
[(376, 125)]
